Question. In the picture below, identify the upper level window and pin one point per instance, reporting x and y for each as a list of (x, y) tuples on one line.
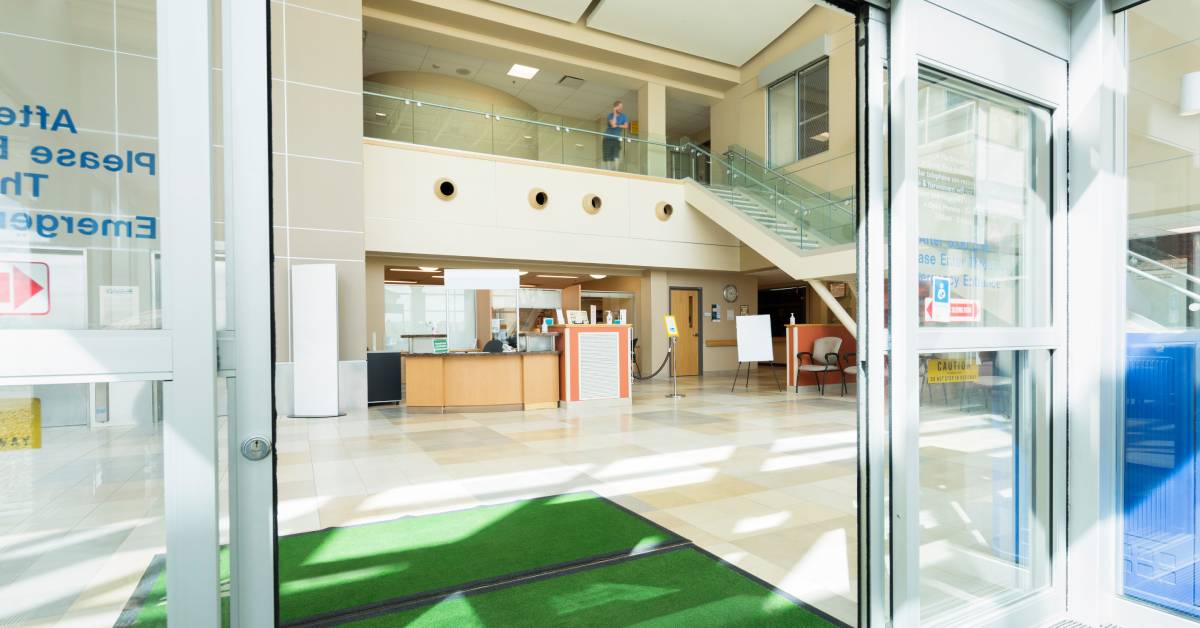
[(798, 114)]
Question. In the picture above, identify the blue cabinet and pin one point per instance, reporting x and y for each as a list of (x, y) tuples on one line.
[(1159, 475)]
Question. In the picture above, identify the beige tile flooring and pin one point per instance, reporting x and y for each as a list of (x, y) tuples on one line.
[(80, 519), (765, 479), (762, 478)]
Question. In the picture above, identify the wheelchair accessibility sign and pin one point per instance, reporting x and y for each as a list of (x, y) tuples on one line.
[(940, 308)]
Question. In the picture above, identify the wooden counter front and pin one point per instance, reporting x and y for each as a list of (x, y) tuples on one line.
[(482, 382)]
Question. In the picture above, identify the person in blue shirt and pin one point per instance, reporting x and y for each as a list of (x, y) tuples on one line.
[(616, 123)]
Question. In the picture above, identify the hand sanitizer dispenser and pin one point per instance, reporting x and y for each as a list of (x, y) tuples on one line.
[(792, 318)]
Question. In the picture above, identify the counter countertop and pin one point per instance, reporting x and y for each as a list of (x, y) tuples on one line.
[(472, 354)]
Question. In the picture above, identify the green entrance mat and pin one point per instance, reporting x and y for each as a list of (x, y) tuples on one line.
[(327, 572), (672, 587)]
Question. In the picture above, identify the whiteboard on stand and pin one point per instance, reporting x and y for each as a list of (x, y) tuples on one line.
[(754, 338)]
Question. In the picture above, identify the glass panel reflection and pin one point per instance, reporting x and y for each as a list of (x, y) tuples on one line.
[(984, 198), (1157, 458), (984, 479)]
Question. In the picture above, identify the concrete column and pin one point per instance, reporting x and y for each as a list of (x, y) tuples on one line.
[(652, 126)]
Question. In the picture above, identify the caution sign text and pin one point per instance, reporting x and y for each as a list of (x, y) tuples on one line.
[(943, 371)]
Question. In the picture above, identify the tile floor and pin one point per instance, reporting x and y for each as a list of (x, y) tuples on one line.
[(765, 479), (762, 478)]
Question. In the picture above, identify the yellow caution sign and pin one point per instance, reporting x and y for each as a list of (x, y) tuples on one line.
[(672, 329), (943, 371), (20, 424)]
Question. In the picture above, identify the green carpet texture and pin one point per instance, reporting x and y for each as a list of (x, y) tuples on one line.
[(681, 587), (342, 568)]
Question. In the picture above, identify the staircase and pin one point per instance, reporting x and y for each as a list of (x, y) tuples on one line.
[(785, 229)]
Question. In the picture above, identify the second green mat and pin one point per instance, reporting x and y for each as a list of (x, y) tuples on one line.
[(676, 587), (333, 570)]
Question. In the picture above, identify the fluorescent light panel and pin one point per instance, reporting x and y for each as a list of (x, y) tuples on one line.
[(558, 277), (522, 71)]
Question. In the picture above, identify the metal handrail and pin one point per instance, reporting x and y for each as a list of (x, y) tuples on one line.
[(733, 168), (785, 177), (501, 117), (1145, 275), (1156, 263)]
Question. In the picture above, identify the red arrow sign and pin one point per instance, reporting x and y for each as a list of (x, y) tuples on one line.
[(24, 288), (956, 311)]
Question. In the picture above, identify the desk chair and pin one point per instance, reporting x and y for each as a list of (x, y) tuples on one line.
[(493, 346), (822, 359)]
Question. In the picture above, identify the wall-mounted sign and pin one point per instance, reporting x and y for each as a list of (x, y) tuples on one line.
[(942, 371), (955, 311), (716, 313), (24, 288), (441, 345)]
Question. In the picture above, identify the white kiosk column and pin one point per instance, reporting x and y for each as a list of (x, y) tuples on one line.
[(314, 340)]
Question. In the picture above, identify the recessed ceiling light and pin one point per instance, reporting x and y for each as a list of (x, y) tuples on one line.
[(558, 277), (381, 114), (523, 273), (821, 137), (597, 276), (429, 269), (522, 71)]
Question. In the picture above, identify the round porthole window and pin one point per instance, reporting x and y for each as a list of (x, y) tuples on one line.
[(445, 189), (592, 203), (664, 211), (538, 198)]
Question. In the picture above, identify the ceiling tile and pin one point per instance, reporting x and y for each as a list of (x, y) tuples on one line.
[(565, 10), (728, 32)]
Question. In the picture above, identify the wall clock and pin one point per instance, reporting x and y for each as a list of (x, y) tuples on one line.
[(730, 293)]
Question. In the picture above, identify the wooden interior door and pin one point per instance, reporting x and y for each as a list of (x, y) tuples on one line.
[(685, 307)]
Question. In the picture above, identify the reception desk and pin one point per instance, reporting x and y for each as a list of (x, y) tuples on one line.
[(595, 364), (482, 382)]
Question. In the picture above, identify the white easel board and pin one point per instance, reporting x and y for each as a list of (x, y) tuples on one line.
[(754, 338)]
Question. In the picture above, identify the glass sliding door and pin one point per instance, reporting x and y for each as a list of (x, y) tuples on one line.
[(984, 241), (978, 335)]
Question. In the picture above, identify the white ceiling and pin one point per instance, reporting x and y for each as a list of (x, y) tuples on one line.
[(566, 10), (589, 101), (721, 30)]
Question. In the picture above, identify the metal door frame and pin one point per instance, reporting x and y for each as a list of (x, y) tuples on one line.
[(982, 54)]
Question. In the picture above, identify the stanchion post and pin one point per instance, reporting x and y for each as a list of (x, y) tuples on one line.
[(674, 374)]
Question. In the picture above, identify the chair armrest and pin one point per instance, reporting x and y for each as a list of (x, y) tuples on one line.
[(800, 358), (835, 362), (849, 358)]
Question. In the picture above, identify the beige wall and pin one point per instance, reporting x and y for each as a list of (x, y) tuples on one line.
[(490, 215), (374, 300), (711, 284), (741, 117), (316, 101)]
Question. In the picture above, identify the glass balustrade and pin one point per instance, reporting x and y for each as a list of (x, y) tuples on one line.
[(416, 117), (800, 212)]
